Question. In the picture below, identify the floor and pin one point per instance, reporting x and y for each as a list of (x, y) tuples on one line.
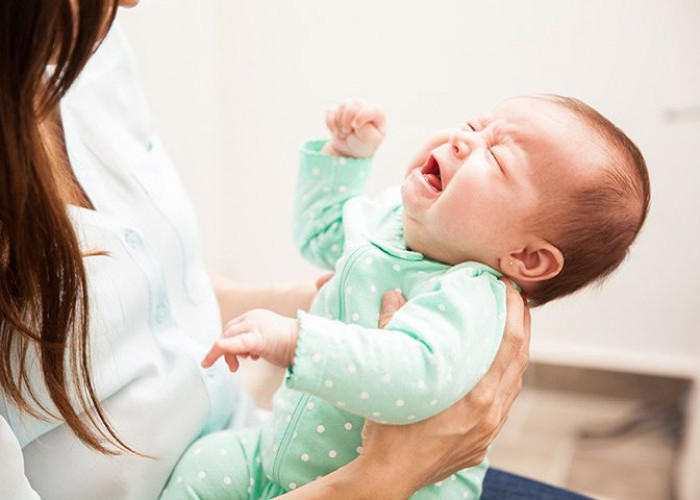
[(604, 434)]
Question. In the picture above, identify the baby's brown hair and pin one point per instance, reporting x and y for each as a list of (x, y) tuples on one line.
[(595, 228)]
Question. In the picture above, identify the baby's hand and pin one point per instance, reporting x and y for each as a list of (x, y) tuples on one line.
[(259, 334), (357, 128)]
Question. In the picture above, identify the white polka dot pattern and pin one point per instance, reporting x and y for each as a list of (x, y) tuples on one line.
[(448, 331)]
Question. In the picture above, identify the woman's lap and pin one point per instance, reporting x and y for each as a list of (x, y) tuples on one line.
[(501, 485)]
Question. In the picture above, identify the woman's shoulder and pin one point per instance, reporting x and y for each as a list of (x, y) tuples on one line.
[(113, 54)]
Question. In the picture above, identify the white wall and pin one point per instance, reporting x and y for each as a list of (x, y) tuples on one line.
[(237, 85)]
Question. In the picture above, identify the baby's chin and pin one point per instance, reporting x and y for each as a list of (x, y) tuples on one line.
[(410, 233), (417, 240)]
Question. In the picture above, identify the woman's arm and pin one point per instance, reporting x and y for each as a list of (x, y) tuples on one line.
[(285, 298), (361, 479), (450, 441)]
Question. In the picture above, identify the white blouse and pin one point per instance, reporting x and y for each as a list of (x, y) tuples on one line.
[(153, 312)]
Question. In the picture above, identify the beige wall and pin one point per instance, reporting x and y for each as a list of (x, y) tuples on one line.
[(237, 85)]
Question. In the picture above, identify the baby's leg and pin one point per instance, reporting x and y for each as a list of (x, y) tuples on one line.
[(224, 464)]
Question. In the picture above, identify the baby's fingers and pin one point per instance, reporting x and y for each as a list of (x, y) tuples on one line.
[(245, 343), (210, 358), (338, 121), (232, 362), (349, 112), (370, 114), (330, 121), (236, 327)]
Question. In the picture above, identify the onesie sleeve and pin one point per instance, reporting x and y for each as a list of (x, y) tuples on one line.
[(434, 350), (324, 185)]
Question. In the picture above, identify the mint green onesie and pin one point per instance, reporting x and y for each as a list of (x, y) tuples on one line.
[(434, 350)]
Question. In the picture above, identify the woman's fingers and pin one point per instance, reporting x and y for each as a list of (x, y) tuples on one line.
[(391, 302), (516, 334), (528, 322), (496, 391), (517, 329), (493, 395), (459, 436)]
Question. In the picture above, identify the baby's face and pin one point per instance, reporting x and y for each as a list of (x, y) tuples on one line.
[(472, 190)]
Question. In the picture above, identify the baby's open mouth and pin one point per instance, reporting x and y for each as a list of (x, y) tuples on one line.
[(431, 173)]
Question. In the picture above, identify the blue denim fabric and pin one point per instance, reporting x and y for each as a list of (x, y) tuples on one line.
[(500, 485)]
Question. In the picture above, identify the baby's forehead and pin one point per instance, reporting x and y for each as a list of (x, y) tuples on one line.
[(541, 124), (550, 137), (535, 111)]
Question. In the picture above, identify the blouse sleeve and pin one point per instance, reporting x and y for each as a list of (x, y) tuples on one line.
[(14, 483)]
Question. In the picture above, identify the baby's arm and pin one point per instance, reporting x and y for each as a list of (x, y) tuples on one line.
[(431, 354), (331, 173)]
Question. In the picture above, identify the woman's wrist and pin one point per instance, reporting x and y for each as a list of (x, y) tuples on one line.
[(358, 480), (237, 298), (376, 480)]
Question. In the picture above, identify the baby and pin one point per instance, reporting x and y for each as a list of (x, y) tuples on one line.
[(543, 190)]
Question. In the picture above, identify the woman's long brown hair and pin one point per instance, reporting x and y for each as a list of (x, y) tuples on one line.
[(43, 289)]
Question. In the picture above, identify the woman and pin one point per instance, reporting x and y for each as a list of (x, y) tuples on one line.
[(105, 304)]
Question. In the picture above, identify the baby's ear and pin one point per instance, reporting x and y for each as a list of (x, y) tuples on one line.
[(539, 261)]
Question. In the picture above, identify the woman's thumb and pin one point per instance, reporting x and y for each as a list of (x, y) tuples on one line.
[(391, 302)]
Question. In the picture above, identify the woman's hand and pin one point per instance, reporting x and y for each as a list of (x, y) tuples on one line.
[(459, 436)]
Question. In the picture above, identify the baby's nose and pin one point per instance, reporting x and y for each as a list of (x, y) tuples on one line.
[(461, 144)]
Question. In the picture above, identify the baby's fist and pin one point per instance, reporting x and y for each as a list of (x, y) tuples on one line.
[(357, 128)]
